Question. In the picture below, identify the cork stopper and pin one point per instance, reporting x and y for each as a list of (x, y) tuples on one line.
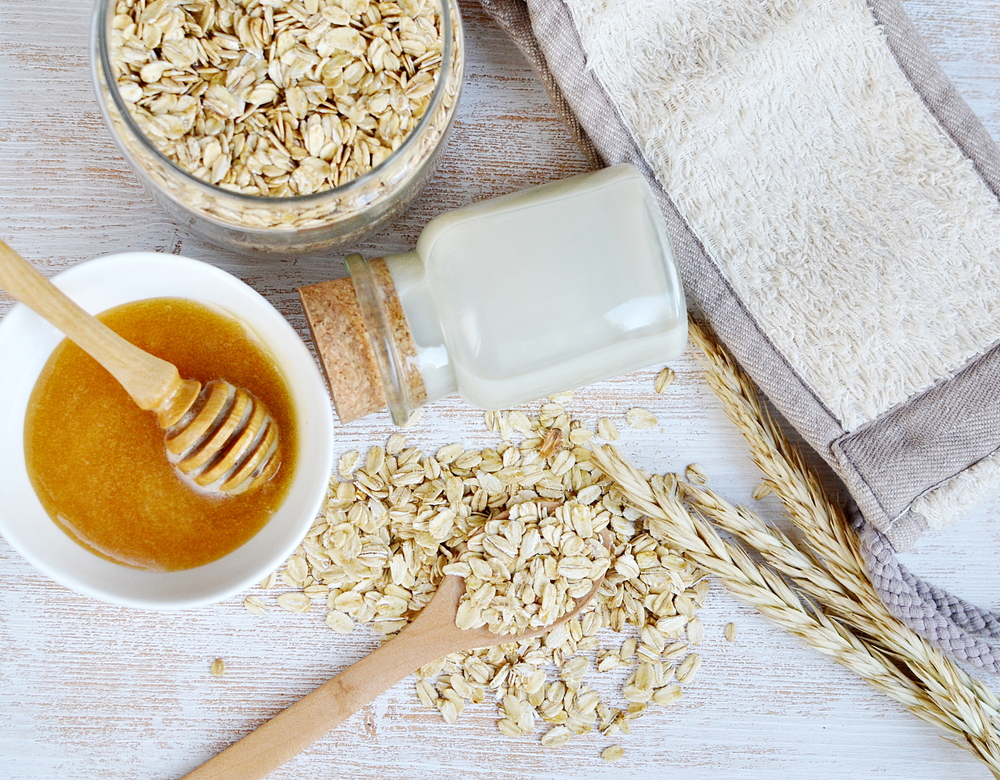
[(344, 348)]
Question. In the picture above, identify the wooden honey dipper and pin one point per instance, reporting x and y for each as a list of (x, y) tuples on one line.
[(220, 438)]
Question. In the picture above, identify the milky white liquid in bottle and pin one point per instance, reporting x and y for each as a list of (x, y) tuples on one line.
[(544, 290)]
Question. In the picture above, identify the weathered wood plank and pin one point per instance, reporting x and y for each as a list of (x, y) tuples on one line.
[(93, 691)]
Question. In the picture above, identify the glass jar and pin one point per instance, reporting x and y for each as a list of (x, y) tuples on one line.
[(296, 223), (506, 301)]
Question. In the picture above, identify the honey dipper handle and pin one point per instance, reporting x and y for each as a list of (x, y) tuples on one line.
[(293, 730), (149, 380)]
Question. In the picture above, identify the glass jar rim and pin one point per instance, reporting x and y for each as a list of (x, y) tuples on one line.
[(101, 57), (381, 336)]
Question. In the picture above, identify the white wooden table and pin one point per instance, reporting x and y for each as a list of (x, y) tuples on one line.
[(92, 691)]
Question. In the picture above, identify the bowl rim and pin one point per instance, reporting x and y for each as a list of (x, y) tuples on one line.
[(28, 340), (100, 57)]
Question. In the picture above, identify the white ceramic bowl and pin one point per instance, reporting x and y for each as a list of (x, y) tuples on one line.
[(26, 341)]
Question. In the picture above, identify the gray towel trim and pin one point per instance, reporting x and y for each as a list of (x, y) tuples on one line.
[(923, 443)]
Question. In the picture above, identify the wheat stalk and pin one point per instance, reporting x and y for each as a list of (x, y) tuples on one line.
[(866, 615), (831, 604), (785, 472), (826, 532), (944, 703)]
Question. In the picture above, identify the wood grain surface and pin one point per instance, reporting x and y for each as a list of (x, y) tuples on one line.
[(89, 690)]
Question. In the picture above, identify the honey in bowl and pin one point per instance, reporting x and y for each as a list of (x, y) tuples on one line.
[(97, 461)]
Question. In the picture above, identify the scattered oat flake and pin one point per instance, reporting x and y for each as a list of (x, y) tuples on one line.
[(640, 419), (519, 422), (695, 631), (589, 495), (268, 582), (688, 668), (730, 632), (396, 444), (255, 604), (296, 571), (294, 602), (671, 625), (508, 728), (347, 463), (695, 474), (667, 695), (339, 621), (556, 736), (218, 667), (613, 752), (316, 591), (551, 443), (489, 483), (460, 569), (663, 379), (606, 429), (449, 453)]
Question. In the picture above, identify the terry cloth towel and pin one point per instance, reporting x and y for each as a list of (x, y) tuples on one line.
[(833, 206)]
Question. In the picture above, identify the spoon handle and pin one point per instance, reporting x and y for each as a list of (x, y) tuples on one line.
[(149, 380), (291, 731)]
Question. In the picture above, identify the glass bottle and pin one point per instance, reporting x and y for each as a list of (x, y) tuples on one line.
[(506, 301)]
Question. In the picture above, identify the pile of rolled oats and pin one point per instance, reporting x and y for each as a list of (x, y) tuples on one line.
[(400, 519), (526, 570), (276, 97)]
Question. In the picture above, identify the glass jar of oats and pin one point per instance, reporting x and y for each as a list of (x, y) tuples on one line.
[(279, 125), (506, 301)]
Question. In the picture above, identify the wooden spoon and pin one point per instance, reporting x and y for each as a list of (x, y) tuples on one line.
[(432, 634), (219, 437)]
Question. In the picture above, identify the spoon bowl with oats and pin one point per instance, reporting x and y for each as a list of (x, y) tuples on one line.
[(433, 634)]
